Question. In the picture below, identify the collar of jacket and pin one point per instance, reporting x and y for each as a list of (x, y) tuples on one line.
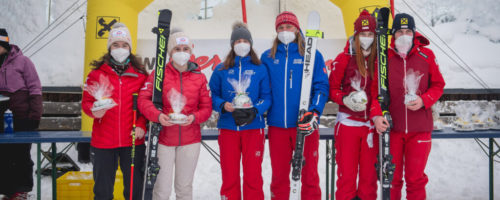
[(128, 72), (292, 47), (245, 59)]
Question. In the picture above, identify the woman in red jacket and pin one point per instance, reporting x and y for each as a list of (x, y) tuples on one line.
[(350, 80), (179, 144), (411, 116), (111, 132)]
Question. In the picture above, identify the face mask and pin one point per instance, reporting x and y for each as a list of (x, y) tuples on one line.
[(181, 58), (365, 42), (242, 49), (403, 44), (286, 37), (120, 54)]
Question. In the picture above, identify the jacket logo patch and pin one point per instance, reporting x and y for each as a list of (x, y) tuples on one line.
[(146, 85), (231, 71), (365, 22), (276, 61), (249, 72), (297, 61), (422, 54), (404, 21)]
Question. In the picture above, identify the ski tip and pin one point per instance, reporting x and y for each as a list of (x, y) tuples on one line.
[(313, 20), (164, 11)]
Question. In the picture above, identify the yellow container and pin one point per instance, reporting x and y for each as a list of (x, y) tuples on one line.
[(80, 185)]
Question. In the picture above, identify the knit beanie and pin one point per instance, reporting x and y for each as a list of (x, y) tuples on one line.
[(177, 37), (4, 39), (365, 22), (240, 31), (403, 21), (119, 32), (287, 17)]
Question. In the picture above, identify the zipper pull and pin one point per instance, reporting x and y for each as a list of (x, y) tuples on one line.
[(291, 73)]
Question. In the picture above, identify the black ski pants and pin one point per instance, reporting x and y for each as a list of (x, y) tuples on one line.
[(106, 162)]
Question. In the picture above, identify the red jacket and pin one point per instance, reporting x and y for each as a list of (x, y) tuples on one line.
[(114, 128), (193, 85), (343, 68), (430, 89)]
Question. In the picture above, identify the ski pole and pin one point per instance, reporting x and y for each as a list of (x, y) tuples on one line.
[(134, 111)]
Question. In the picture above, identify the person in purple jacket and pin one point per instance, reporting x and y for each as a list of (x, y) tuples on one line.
[(19, 81)]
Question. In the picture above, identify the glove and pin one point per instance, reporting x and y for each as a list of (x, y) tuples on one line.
[(308, 123), (352, 104), (223, 110), (244, 116)]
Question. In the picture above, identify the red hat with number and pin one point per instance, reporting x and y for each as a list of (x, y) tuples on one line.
[(365, 22)]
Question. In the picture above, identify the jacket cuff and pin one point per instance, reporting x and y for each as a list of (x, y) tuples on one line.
[(427, 103)]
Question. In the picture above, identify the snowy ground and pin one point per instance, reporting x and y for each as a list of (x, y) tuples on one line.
[(457, 169)]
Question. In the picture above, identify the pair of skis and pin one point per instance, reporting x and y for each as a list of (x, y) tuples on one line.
[(312, 35), (385, 167), (152, 167)]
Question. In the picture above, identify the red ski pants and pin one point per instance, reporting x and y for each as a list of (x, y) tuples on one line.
[(281, 146), (356, 152), (410, 152), (234, 145)]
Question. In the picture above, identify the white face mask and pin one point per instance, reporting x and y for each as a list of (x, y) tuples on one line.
[(120, 54), (403, 44), (181, 58), (242, 49), (286, 37), (365, 42)]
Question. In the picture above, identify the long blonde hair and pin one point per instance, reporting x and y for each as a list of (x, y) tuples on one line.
[(298, 39), (360, 58)]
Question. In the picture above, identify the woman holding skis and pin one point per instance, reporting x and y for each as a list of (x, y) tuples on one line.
[(350, 82), (112, 129), (284, 62), (186, 104), (415, 84), (241, 129)]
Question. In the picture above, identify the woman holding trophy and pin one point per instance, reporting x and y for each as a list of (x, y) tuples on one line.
[(241, 94), (108, 98), (186, 104), (350, 86)]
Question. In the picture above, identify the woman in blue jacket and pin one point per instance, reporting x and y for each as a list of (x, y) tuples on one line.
[(241, 130), (284, 62)]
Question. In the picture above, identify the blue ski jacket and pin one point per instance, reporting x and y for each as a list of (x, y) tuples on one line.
[(285, 72), (259, 91)]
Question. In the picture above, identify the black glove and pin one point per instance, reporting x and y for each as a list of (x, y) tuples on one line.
[(308, 123), (244, 116), (223, 110)]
